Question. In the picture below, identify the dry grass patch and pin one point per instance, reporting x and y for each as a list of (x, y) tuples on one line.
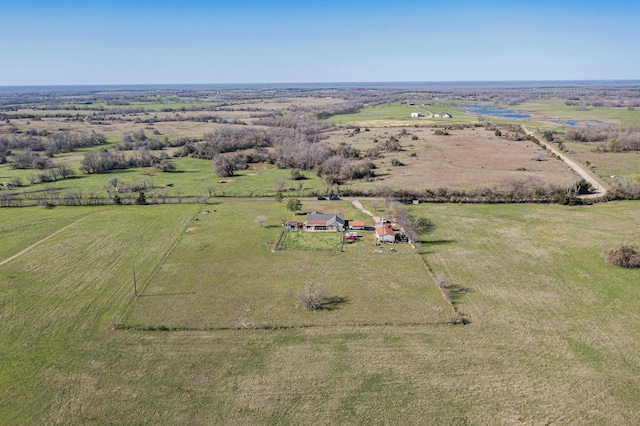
[(465, 159)]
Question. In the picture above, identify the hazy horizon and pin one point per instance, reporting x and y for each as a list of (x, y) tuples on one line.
[(117, 42)]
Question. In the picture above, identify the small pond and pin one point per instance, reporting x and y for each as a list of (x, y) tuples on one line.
[(495, 110)]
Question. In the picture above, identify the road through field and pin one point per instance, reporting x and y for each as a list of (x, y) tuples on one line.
[(600, 188), (360, 207), (25, 250)]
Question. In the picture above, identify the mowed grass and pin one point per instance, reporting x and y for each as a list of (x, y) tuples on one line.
[(224, 274), (554, 337), (20, 228), (67, 289)]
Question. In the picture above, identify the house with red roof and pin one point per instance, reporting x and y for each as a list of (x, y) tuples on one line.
[(324, 222), (384, 234)]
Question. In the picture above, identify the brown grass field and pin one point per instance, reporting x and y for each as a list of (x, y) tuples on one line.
[(466, 158)]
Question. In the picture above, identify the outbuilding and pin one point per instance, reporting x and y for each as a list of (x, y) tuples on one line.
[(384, 234), (356, 225)]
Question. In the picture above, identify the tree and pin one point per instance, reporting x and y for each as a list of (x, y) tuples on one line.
[(261, 220), (294, 205), (312, 297), (279, 197), (223, 166), (142, 199), (296, 175), (115, 181), (279, 183)]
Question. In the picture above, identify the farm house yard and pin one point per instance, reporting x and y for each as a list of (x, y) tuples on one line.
[(554, 336), (223, 274)]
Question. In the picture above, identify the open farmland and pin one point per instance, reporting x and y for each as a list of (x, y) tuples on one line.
[(466, 157), (223, 274), (217, 335), (553, 336)]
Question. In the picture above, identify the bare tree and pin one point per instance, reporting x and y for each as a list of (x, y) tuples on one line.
[(279, 183), (223, 166), (261, 220), (312, 297)]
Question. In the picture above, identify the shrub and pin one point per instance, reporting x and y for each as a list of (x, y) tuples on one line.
[(312, 297), (626, 256)]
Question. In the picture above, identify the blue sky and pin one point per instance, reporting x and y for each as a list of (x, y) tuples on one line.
[(248, 41)]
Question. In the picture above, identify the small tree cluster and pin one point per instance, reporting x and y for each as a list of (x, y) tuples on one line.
[(105, 161), (626, 256)]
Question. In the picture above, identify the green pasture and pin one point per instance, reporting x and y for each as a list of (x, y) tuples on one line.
[(192, 177), (224, 274), (400, 114), (556, 110), (545, 113), (605, 164), (553, 339)]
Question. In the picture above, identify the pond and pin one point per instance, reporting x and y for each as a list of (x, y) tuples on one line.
[(495, 110)]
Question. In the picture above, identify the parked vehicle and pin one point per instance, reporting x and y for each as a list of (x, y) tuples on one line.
[(321, 198), (334, 198)]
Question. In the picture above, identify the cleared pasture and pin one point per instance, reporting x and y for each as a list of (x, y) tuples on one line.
[(466, 158), (399, 114), (605, 164), (555, 111), (224, 274), (554, 336)]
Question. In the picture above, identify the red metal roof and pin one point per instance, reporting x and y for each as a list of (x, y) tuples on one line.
[(383, 230)]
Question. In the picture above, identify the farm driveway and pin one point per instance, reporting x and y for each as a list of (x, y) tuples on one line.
[(25, 250), (358, 204), (599, 186)]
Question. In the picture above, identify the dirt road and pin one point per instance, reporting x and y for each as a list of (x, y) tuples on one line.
[(359, 206), (599, 187), (25, 250)]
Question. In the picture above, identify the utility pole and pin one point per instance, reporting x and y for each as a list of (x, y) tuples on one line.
[(135, 284)]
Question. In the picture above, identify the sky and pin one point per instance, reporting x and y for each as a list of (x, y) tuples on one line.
[(73, 42)]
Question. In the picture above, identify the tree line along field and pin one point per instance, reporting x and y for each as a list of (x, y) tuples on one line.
[(553, 336), (342, 140)]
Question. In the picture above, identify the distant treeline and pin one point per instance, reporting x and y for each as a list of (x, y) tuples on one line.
[(49, 143)]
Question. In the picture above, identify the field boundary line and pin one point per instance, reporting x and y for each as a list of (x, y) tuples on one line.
[(282, 326), (27, 249), (154, 269), (454, 310)]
